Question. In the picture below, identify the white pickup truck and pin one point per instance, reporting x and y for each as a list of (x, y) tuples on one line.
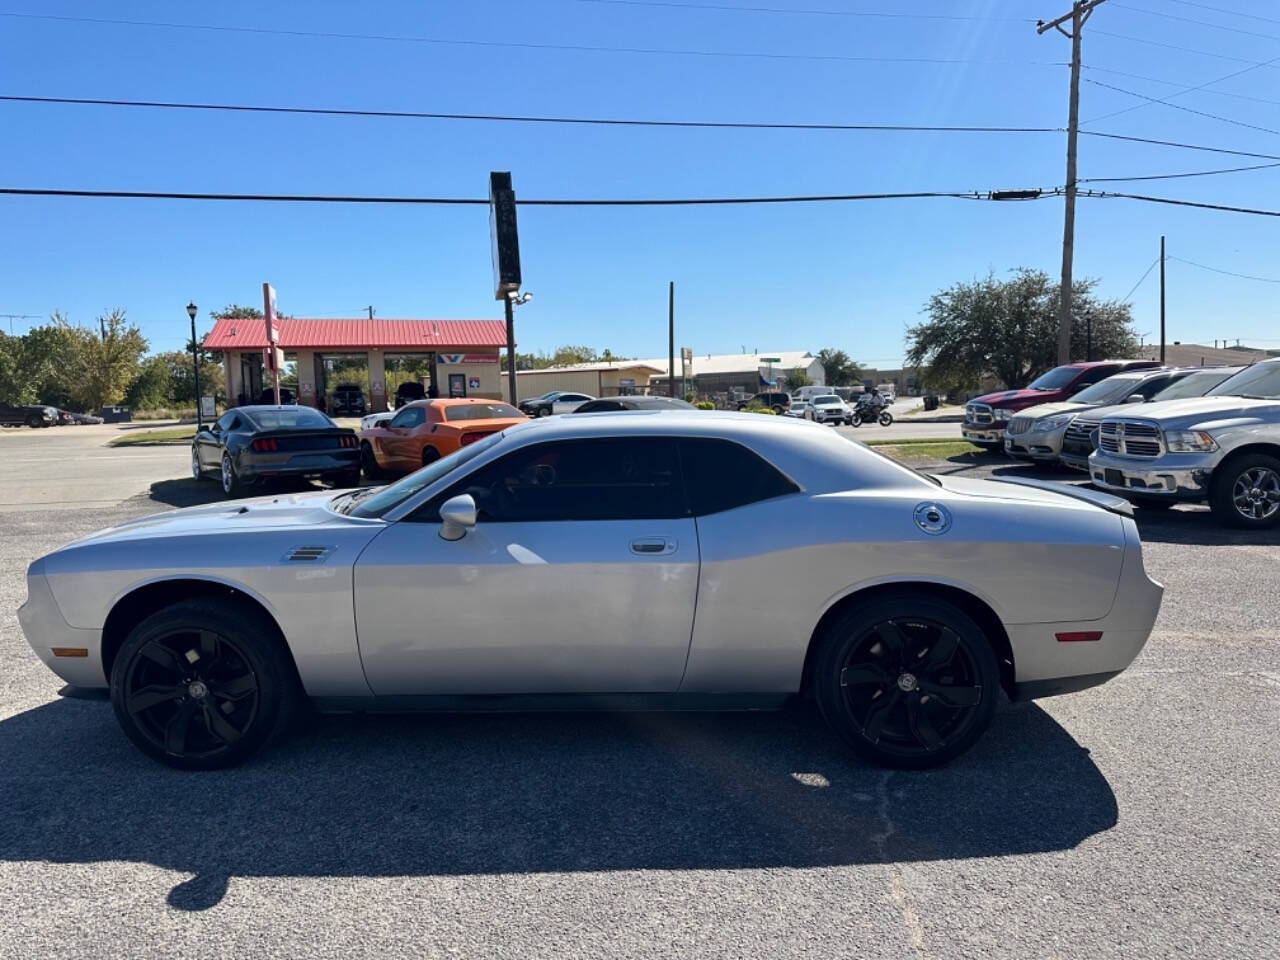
[(1223, 447)]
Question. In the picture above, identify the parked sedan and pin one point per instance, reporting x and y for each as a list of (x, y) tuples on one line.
[(248, 445), (611, 404), (557, 401), (612, 561), (424, 431)]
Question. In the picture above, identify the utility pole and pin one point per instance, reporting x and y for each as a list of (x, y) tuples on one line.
[(1162, 298), (671, 337), (1080, 11), (18, 316), (370, 309)]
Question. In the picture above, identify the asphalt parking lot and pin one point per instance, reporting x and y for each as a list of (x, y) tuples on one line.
[(1138, 819)]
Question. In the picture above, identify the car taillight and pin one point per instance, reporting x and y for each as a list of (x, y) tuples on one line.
[(346, 441), (470, 438), (264, 445)]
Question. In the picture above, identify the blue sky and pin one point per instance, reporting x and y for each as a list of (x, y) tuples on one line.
[(778, 277)]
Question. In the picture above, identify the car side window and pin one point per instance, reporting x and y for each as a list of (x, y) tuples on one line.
[(1154, 386), (230, 421), (408, 417), (721, 475), (632, 478), (1094, 376)]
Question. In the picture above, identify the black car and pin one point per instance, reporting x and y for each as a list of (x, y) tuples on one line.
[(268, 396), (348, 401), (33, 415), (408, 392), (778, 401), (606, 404), (251, 444)]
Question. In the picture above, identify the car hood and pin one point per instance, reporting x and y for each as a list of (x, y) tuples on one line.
[(1004, 397), (1049, 409), (1202, 411), (296, 511)]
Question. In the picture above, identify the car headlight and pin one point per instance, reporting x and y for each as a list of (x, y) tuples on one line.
[(1048, 424), (1001, 413), (1189, 441)]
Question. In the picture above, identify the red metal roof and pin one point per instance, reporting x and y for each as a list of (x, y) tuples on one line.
[(356, 333)]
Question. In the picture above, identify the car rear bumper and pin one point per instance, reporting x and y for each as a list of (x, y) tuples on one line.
[(298, 464), (1174, 477)]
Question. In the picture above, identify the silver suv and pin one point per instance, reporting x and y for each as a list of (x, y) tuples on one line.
[(1223, 447)]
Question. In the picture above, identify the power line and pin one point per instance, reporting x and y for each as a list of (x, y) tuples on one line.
[(1242, 276), (1176, 106), (510, 118), (1134, 289), (1179, 176), (1234, 13), (519, 44), (1107, 195), (1199, 23), (1174, 46), (725, 8), (1202, 88), (1174, 143)]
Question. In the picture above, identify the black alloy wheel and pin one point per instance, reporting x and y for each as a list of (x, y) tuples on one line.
[(35, 421), (907, 682), (886, 418), (201, 684)]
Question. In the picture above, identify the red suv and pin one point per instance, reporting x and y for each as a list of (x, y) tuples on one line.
[(986, 417)]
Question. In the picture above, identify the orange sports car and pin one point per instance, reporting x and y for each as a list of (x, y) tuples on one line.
[(427, 430)]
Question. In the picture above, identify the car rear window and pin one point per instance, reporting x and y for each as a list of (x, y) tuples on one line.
[(481, 411), (720, 475), (304, 417)]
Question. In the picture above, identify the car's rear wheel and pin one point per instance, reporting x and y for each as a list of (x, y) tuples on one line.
[(34, 421), (430, 455), (231, 484), (907, 681), (1245, 491), (202, 684), (197, 471)]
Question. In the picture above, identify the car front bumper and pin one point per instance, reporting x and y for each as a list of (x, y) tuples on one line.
[(1042, 447), (73, 653), (984, 434), (1173, 476)]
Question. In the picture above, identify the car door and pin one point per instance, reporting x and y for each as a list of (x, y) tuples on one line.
[(580, 576), (395, 443), (568, 402), (209, 443)]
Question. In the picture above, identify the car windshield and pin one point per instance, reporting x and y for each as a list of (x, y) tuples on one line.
[(1110, 390), (305, 417), (481, 411), (1194, 384), (1258, 382), (831, 399), (1055, 379), (373, 502)]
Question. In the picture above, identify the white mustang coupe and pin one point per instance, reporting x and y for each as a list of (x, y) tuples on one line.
[(618, 560)]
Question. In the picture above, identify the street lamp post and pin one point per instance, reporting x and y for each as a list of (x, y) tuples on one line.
[(195, 360)]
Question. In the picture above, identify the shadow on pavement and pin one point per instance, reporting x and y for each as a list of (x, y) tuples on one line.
[(485, 794)]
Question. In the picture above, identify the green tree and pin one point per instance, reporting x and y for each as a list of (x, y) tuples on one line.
[(1009, 329), (151, 387), (236, 311), (839, 370), (797, 378), (51, 361), (106, 360), (15, 386)]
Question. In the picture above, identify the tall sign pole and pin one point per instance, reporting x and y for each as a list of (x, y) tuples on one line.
[(1162, 298), (273, 336), (1080, 11), (505, 247), (671, 337)]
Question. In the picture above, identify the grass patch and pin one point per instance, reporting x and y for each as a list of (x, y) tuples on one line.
[(152, 438), (928, 449)]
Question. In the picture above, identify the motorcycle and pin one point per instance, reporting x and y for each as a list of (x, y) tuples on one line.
[(870, 409)]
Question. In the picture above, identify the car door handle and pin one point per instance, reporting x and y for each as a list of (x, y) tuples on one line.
[(653, 546)]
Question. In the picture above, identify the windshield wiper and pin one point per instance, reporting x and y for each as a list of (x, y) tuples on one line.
[(351, 498)]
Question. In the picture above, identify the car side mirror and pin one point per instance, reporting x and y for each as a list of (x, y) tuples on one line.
[(1135, 398), (457, 516)]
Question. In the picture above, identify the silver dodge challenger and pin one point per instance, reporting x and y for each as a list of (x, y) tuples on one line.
[(637, 560)]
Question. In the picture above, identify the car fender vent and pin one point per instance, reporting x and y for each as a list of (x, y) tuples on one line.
[(307, 554)]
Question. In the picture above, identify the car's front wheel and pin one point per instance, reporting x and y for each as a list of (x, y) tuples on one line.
[(906, 681), (1245, 491), (202, 684), (542, 412)]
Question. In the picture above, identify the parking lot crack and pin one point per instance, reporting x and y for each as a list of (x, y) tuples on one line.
[(897, 882)]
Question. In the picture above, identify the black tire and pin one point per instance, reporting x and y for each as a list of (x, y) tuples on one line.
[(542, 412), (232, 486), (899, 717), (197, 471), (1150, 503), (885, 418), (1245, 491), (35, 421), (238, 692), (855, 420), (346, 479), (369, 462), (430, 455)]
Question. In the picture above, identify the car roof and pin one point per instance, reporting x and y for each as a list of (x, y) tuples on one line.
[(449, 402)]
